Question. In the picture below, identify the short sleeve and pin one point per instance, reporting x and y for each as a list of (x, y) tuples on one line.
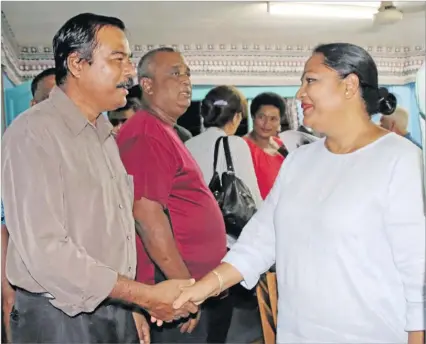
[(153, 165)]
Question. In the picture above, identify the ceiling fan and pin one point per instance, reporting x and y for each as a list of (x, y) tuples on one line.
[(389, 14)]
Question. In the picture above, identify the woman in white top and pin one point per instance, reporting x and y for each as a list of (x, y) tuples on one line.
[(344, 221), (222, 110)]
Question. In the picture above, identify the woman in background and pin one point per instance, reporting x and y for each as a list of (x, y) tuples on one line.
[(222, 110), (266, 109), (344, 221)]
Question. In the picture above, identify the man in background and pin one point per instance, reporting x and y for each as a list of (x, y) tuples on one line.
[(177, 217), (41, 86), (120, 116), (397, 122)]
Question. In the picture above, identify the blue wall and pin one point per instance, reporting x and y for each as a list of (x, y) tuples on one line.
[(16, 100), (7, 83)]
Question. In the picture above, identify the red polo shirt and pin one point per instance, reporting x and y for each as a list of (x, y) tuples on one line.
[(164, 171)]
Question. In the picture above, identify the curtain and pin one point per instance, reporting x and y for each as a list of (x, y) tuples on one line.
[(291, 115)]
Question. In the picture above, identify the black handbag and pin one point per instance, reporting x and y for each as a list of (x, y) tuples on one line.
[(232, 195)]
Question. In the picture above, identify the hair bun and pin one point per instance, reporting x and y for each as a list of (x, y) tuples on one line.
[(210, 111), (387, 101), (206, 108)]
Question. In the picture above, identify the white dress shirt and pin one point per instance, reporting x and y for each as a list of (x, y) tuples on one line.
[(347, 233), (202, 149)]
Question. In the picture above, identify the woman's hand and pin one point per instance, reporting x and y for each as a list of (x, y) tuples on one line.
[(196, 294)]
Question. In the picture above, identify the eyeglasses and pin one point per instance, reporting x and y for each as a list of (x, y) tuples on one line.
[(115, 121)]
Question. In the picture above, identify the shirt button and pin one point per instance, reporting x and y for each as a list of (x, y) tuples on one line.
[(120, 206), (128, 237), (130, 268)]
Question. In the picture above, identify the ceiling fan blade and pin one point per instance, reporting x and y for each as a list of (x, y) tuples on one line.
[(414, 9)]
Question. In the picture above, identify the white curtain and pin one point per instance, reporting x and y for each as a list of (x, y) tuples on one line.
[(291, 112)]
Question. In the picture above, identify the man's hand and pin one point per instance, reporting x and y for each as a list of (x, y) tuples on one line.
[(143, 328), (162, 296), (8, 300), (191, 324)]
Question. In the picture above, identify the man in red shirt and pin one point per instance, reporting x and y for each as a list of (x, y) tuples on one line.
[(178, 219)]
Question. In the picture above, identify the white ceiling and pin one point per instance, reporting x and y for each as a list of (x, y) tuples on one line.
[(35, 23)]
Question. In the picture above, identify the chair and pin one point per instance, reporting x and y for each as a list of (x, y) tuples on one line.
[(267, 297)]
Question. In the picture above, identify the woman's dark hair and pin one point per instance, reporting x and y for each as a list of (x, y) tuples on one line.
[(79, 35), (267, 98), (348, 59), (220, 106)]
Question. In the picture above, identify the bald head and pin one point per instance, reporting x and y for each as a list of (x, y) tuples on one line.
[(397, 122), (145, 64)]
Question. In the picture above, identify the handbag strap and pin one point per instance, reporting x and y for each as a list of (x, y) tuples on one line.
[(228, 157), (216, 153)]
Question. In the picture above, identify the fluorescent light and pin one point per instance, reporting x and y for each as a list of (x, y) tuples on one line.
[(318, 10)]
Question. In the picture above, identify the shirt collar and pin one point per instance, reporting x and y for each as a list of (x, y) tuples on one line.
[(74, 118)]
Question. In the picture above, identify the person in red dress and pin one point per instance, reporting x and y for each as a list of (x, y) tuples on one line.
[(267, 110)]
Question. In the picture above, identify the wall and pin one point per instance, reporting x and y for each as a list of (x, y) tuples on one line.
[(7, 83)]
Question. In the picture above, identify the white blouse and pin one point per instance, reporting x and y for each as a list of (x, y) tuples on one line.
[(347, 233)]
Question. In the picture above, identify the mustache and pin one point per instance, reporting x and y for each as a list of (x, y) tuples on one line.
[(126, 84)]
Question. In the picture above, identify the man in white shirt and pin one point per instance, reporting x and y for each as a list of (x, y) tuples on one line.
[(398, 123)]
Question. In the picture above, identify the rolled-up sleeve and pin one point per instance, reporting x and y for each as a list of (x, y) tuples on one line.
[(254, 252), (405, 226), (33, 197)]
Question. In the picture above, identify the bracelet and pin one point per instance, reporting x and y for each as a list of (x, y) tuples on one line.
[(219, 277)]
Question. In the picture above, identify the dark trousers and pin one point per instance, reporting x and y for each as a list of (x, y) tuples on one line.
[(35, 320), (212, 328)]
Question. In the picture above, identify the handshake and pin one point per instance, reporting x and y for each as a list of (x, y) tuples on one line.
[(174, 299)]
